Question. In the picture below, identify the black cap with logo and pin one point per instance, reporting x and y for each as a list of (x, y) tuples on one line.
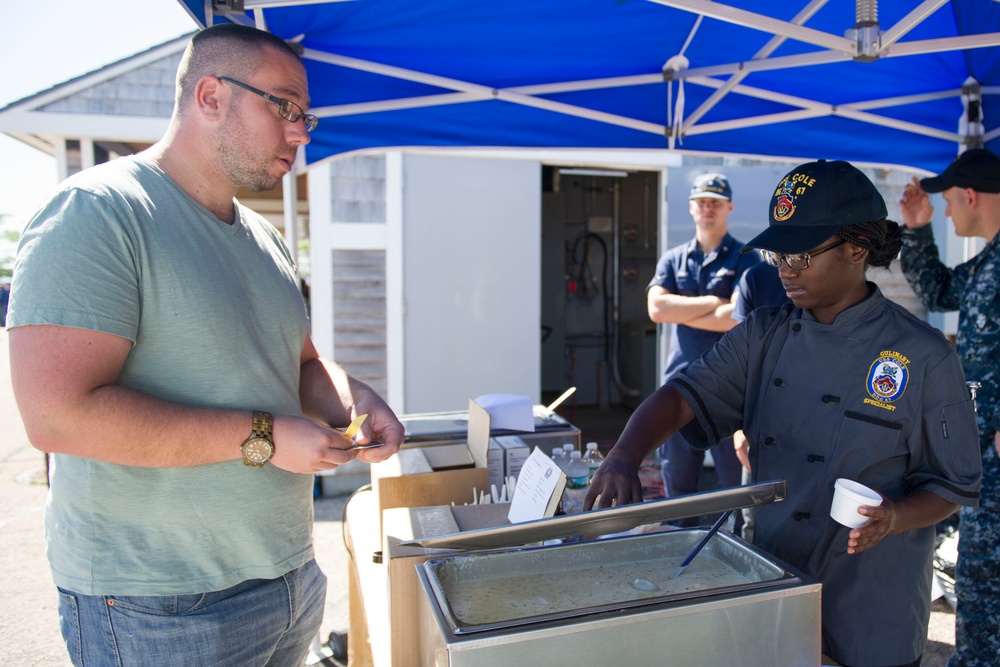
[(976, 168), (813, 201)]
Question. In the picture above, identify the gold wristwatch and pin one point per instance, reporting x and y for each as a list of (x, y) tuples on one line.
[(259, 447)]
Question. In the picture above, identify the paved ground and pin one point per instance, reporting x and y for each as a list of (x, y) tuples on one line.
[(29, 630)]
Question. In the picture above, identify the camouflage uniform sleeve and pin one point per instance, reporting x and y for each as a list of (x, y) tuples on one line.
[(939, 287)]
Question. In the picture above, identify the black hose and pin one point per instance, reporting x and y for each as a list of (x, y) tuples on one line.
[(584, 263)]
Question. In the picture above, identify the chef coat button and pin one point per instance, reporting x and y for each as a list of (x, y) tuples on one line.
[(831, 399), (799, 516), (796, 327), (769, 442), (814, 458), (779, 383)]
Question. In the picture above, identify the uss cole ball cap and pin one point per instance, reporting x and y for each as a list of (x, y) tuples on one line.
[(813, 201), (976, 168), (711, 186)]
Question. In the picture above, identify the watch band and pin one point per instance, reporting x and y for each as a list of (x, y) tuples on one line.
[(262, 422), (258, 448)]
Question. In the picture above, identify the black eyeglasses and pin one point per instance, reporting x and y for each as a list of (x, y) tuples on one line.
[(288, 110), (798, 261)]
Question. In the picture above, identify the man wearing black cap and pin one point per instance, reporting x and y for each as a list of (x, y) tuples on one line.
[(693, 289), (970, 187), (840, 383)]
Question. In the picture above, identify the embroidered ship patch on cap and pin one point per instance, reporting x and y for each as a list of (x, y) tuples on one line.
[(785, 205)]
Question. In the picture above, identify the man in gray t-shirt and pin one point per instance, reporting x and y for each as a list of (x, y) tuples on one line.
[(160, 351)]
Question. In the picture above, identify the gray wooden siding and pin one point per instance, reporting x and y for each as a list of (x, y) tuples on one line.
[(358, 185), (891, 281), (893, 284), (359, 315), (147, 91), (359, 306)]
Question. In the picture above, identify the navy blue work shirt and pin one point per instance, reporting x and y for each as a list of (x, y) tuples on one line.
[(687, 271), (759, 286)]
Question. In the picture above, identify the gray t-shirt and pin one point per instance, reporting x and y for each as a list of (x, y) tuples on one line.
[(216, 319)]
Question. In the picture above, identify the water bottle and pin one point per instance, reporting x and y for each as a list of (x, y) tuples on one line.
[(559, 458), (593, 458), (577, 482), (567, 448)]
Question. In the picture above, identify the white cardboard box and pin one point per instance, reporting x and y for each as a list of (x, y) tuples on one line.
[(495, 459), (516, 452)]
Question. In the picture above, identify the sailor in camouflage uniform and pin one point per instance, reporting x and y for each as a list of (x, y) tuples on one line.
[(971, 189)]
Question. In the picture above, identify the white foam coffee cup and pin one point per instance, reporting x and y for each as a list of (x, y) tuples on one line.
[(848, 496)]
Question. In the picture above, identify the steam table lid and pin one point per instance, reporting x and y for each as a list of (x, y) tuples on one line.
[(610, 520)]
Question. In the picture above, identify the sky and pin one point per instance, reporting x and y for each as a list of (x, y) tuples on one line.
[(46, 42)]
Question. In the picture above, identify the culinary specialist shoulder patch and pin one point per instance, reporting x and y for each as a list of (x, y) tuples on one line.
[(887, 379)]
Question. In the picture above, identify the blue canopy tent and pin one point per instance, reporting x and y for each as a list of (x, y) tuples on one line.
[(896, 82), (888, 82)]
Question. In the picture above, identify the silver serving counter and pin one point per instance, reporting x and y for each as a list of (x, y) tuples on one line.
[(611, 601)]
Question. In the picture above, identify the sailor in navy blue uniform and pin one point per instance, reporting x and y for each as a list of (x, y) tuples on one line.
[(692, 290)]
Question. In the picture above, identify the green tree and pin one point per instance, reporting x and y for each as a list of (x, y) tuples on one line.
[(8, 245)]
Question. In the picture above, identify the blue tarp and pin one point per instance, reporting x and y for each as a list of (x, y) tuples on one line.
[(521, 73)]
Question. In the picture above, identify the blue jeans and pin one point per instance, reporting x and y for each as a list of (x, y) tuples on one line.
[(255, 623)]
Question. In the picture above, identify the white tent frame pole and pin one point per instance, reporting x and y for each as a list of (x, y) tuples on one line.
[(590, 84), (290, 210), (474, 93), (901, 100), (265, 4), (480, 92), (916, 16), (459, 98), (747, 19), (527, 95), (394, 105), (806, 114), (920, 47), (770, 64), (810, 109), (804, 15), (259, 21)]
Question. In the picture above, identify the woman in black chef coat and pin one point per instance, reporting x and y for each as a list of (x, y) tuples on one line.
[(839, 383)]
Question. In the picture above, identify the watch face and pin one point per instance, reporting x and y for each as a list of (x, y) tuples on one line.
[(257, 451)]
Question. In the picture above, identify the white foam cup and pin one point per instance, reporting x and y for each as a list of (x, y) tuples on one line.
[(848, 496)]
